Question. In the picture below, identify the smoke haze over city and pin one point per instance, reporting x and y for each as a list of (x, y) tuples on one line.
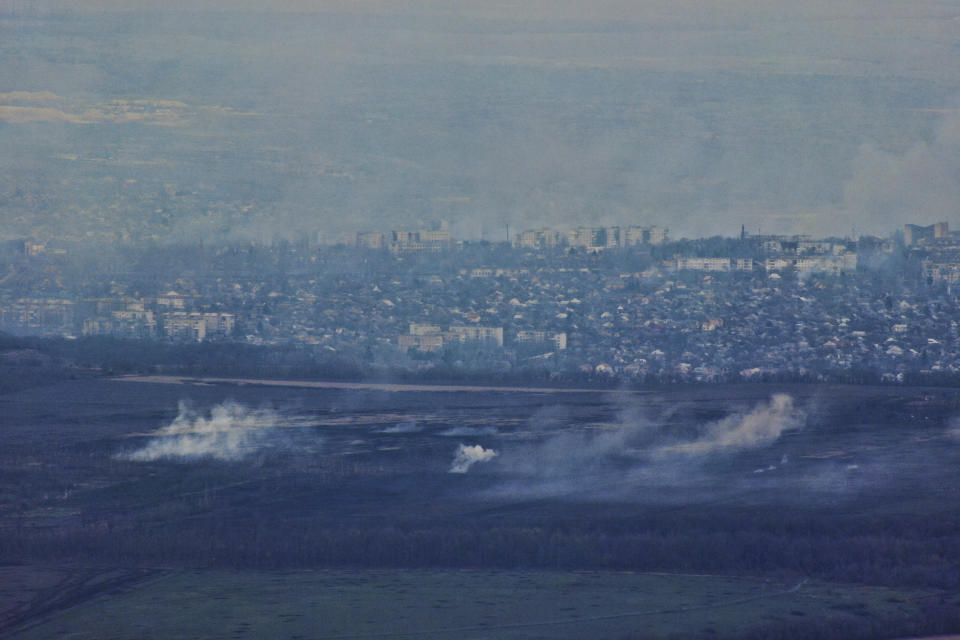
[(256, 121)]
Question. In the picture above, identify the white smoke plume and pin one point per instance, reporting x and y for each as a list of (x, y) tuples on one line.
[(230, 433), (760, 426), (921, 183), (638, 452), (564, 449), (953, 427), (467, 456), (406, 426)]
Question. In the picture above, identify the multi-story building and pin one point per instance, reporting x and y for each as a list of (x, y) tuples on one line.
[(914, 234), (427, 342), (703, 264), (656, 235), (559, 340), (423, 329), (185, 326), (832, 264), (538, 239), (371, 240), (612, 238), (430, 337), (173, 300), (591, 239), (947, 271), (477, 334), (196, 326), (803, 265), (38, 316), (633, 236), (435, 239)]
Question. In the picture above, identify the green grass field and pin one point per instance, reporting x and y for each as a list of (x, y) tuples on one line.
[(458, 605)]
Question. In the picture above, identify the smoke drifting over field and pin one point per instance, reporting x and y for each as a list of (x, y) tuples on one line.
[(758, 427), (232, 432), (404, 427), (625, 448), (638, 451), (953, 428)]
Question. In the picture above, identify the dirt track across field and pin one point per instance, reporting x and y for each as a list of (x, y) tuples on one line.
[(77, 587)]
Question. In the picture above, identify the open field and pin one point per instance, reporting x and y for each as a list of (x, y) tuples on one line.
[(855, 489), (360, 386), (464, 604)]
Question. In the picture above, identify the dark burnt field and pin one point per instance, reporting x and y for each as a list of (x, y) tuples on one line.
[(834, 484)]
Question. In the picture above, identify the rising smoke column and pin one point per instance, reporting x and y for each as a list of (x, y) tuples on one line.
[(924, 180), (760, 426), (230, 433), (467, 456)]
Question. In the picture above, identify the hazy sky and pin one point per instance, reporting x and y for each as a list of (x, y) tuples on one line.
[(250, 118)]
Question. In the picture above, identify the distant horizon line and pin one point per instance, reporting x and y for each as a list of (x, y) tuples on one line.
[(349, 238)]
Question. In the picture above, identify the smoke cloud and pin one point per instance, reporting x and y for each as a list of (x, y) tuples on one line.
[(639, 452), (467, 456), (391, 114), (232, 432), (407, 426), (920, 185), (760, 426)]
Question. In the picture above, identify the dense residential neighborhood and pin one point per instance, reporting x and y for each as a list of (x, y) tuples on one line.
[(548, 303)]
